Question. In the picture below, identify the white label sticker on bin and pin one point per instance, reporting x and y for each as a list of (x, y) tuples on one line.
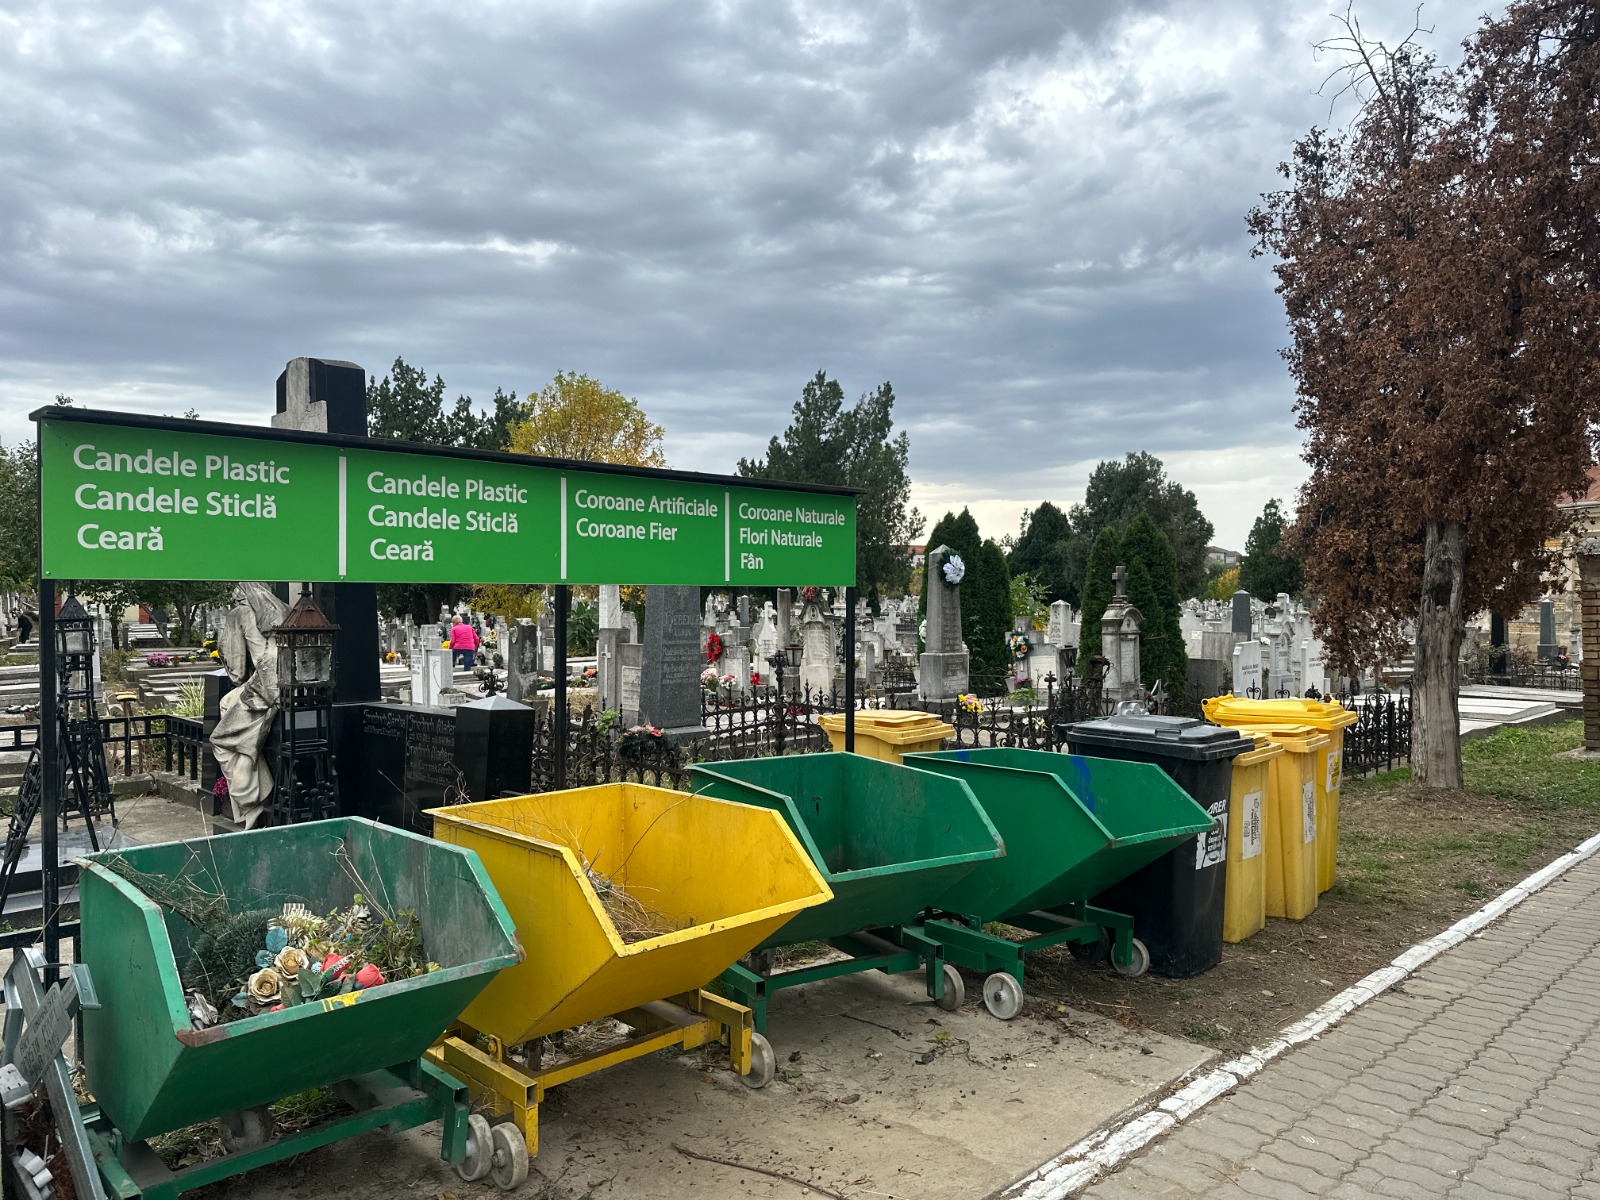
[(1250, 827), (1335, 767), (1211, 847), (1308, 797)]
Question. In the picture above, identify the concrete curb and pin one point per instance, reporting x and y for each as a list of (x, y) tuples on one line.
[(1108, 1148)]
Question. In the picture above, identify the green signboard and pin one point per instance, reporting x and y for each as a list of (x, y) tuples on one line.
[(131, 498)]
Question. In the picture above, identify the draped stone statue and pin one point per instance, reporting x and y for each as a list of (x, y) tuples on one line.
[(248, 711)]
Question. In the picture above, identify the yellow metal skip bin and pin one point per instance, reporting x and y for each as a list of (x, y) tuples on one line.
[(889, 734), (1291, 820), (716, 879), (1244, 910)]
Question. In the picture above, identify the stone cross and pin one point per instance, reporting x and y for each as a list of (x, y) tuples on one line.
[(1121, 576)]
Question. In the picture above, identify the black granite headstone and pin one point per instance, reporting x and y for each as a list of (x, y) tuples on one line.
[(407, 763), (494, 747)]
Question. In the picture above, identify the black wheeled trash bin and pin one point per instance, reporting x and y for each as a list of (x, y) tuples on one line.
[(1177, 901)]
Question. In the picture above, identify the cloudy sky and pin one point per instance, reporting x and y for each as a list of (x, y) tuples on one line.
[(1027, 215)]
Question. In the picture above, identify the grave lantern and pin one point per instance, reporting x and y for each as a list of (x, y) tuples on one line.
[(75, 655), (304, 775), (88, 791)]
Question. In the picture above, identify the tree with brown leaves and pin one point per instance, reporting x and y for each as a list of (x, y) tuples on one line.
[(1439, 261)]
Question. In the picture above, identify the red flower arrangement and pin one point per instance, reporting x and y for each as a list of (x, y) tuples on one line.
[(713, 647), (808, 595)]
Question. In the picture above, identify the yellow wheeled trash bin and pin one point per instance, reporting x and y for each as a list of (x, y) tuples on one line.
[(1291, 821), (1244, 910), (889, 734), (1325, 716)]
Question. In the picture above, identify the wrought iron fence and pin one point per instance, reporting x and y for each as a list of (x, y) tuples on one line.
[(1549, 676), (134, 745), (1380, 740), (737, 724)]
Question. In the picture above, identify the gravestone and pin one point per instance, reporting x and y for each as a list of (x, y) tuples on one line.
[(744, 610), (407, 763), (431, 673), (1246, 667), (735, 661), (1119, 643), (946, 663), (816, 652), (631, 655), (669, 686), (494, 747), (522, 660), (785, 617), (1243, 614), (766, 642), (547, 641), (1547, 630), (630, 627), (1313, 672), (1060, 622), (608, 666)]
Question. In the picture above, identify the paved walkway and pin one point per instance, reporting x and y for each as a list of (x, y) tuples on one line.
[(1477, 1078)]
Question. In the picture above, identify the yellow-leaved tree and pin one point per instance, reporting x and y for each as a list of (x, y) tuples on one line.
[(575, 417)]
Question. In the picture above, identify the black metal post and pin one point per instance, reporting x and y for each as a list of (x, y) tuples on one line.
[(558, 745), (850, 670), (50, 738)]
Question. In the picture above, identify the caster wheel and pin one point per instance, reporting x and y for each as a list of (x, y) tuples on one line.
[(479, 1155), (955, 990), (1002, 995), (763, 1063), (1092, 952), (1139, 964), (509, 1161), (246, 1129)]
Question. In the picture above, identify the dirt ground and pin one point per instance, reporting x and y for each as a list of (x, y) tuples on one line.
[(878, 1094)]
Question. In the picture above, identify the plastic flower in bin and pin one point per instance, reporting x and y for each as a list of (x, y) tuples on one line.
[(263, 987), (369, 976), (953, 569), (291, 961)]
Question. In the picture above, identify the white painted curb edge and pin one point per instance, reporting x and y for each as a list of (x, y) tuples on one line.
[(1080, 1165)]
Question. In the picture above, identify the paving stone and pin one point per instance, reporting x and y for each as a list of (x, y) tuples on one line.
[(1476, 1079)]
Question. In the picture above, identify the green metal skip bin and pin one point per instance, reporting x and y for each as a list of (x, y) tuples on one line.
[(889, 840), (1073, 826), (150, 1071)]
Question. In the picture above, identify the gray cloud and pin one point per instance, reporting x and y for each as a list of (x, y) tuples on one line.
[(1027, 215)]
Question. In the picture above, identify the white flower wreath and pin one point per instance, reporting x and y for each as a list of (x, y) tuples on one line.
[(954, 569)]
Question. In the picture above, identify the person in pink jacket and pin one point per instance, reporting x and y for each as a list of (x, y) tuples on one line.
[(464, 644)]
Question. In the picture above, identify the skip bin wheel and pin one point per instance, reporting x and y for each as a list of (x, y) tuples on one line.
[(509, 1159), (1138, 965), (1092, 952), (763, 1063), (479, 1155), (1002, 995), (955, 990), (246, 1129)]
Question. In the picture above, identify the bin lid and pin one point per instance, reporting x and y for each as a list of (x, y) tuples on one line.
[(1265, 748), (1240, 710), (1297, 739), (1175, 737), (894, 726)]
